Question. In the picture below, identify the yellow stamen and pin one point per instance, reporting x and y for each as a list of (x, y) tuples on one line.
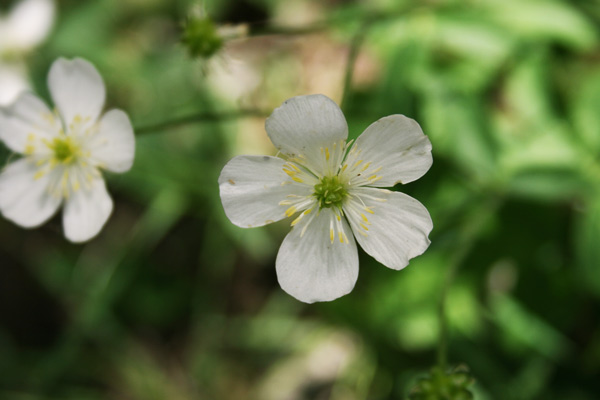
[(294, 222), (290, 211)]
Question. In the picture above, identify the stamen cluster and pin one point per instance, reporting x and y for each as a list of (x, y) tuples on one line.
[(65, 149), (330, 192)]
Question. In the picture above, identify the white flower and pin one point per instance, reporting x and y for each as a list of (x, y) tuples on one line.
[(333, 185), (13, 81), (64, 152), (25, 26)]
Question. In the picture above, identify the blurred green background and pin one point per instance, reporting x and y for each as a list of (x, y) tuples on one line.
[(172, 301)]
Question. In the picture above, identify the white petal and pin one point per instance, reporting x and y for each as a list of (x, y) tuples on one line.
[(397, 144), (251, 190), (27, 122), (77, 89), (86, 211), (303, 125), (113, 146), (24, 199), (398, 229), (13, 81), (312, 268), (28, 24)]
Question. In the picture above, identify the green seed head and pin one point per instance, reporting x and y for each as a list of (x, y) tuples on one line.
[(330, 192)]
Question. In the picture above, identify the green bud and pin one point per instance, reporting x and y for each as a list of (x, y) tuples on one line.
[(444, 385), (201, 37)]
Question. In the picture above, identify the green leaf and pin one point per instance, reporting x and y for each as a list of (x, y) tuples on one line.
[(587, 235), (456, 128), (524, 329), (586, 112), (548, 184), (544, 20)]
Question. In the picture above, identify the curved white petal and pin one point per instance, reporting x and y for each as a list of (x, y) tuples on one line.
[(252, 187), (398, 226), (77, 90), (13, 81), (26, 124), (25, 198), (312, 268), (28, 24), (113, 146), (303, 125), (396, 144), (86, 211)]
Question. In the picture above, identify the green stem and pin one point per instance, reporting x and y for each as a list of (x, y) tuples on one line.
[(265, 30), (353, 52), (465, 244), (200, 117)]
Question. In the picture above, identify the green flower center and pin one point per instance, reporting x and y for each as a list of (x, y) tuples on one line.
[(330, 192), (65, 150)]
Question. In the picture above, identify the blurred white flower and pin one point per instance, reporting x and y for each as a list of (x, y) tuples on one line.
[(335, 187), (25, 26), (64, 152), (13, 80)]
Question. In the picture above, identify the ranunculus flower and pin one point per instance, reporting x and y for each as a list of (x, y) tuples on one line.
[(63, 152), (333, 189)]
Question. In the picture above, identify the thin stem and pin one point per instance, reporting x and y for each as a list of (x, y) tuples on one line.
[(365, 17), (465, 244), (355, 46), (265, 30), (200, 117)]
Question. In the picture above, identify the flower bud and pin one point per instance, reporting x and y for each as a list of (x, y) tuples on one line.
[(201, 37), (444, 385)]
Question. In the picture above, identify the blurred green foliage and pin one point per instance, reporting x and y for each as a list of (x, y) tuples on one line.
[(172, 301)]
